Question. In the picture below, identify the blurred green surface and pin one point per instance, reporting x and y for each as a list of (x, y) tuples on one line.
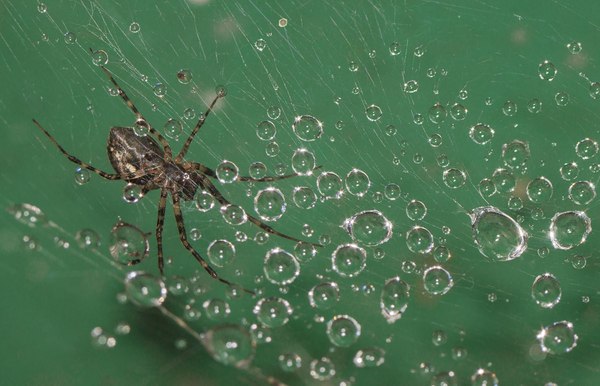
[(55, 295)]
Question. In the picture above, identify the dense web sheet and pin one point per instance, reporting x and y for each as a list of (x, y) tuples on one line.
[(455, 200)]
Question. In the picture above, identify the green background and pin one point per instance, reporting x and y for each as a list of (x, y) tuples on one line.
[(54, 296)]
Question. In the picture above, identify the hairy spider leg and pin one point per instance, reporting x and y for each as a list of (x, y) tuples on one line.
[(160, 221), (103, 174), (199, 124), (212, 189), (188, 246), (211, 173), (140, 120)]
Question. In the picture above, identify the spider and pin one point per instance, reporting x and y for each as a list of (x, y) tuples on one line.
[(148, 161)]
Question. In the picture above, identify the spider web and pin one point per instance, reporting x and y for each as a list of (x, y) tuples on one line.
[(331, 60)]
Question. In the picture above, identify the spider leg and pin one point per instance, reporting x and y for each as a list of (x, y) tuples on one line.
[(201, 121), (194, 166), (219, 197), (139, 117), (159, 228), (188, 246), (103, 174)]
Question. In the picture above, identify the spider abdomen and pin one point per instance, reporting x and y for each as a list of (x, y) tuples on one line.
[(130, 153)]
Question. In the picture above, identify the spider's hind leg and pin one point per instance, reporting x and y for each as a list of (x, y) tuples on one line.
[(190, 248)]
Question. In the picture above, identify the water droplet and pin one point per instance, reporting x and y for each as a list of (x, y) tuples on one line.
[(595, 90), (435, 140), (439, 337), (586, 148), (547, 71), (481, 133), (173, 128), (324, 295), (257, 170), (230, 344), (134, 27), (353, 66), (82, 176), (99, 58), (437, 113), (221, 252), (42, 8), (515, 154), (274, 112), (330, 185), (234, 215), (458, 112), (416, 210), (504, 181), (487, 187), (322, 369), (282, 22), (343, 330), (574, 47), (184, 76), (569, 171), (373, 113), (87, 239), (307, 128), (509, 108), (441, 254), (419, 240), (534, 106), (454, 178), (144, 289), (159, 89), (395, 49), (270, 204), (216, 309), (582, 192), (369, 357), (419, 51), (569, 229), (273, 312), (303, 162), (290, 362), (178, 285), (546, 290), (304, 197), (394, 299), (132, 193), (539, 190), (357, 182), (411, 86), (304, 252), (348, 260), (281, 267), (70, 37), (437, 281), (128, 244), (227, 172), (260, 44), (483, 377), (558, 338), (497, 235), (204, 201), (392, 191), (266, 130), (562, 98), (369, 228)]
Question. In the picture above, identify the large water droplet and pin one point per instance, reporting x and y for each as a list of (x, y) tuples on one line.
[(343, 330), (270, 204), (546, 290), (307, 128), (515, 154), (348, 260), (569, 229), (128, 244), (324, 295), (497, 235), (558, 338), (369, 228), (227, 172), (144, 289), (230, 344), (547, 71), (221, 253), (539, 190), (303, 162), (394, 299), (281, 267), (330, 185), (357, 182), (481, 133), (582, 192), (273, 312), (437, 281), (304, 197), (419, 240)]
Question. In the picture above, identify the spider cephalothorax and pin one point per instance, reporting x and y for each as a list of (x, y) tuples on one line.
[(142, 156)]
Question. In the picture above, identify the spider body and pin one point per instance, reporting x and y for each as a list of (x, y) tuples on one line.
[(148, 161), (130, 153)]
